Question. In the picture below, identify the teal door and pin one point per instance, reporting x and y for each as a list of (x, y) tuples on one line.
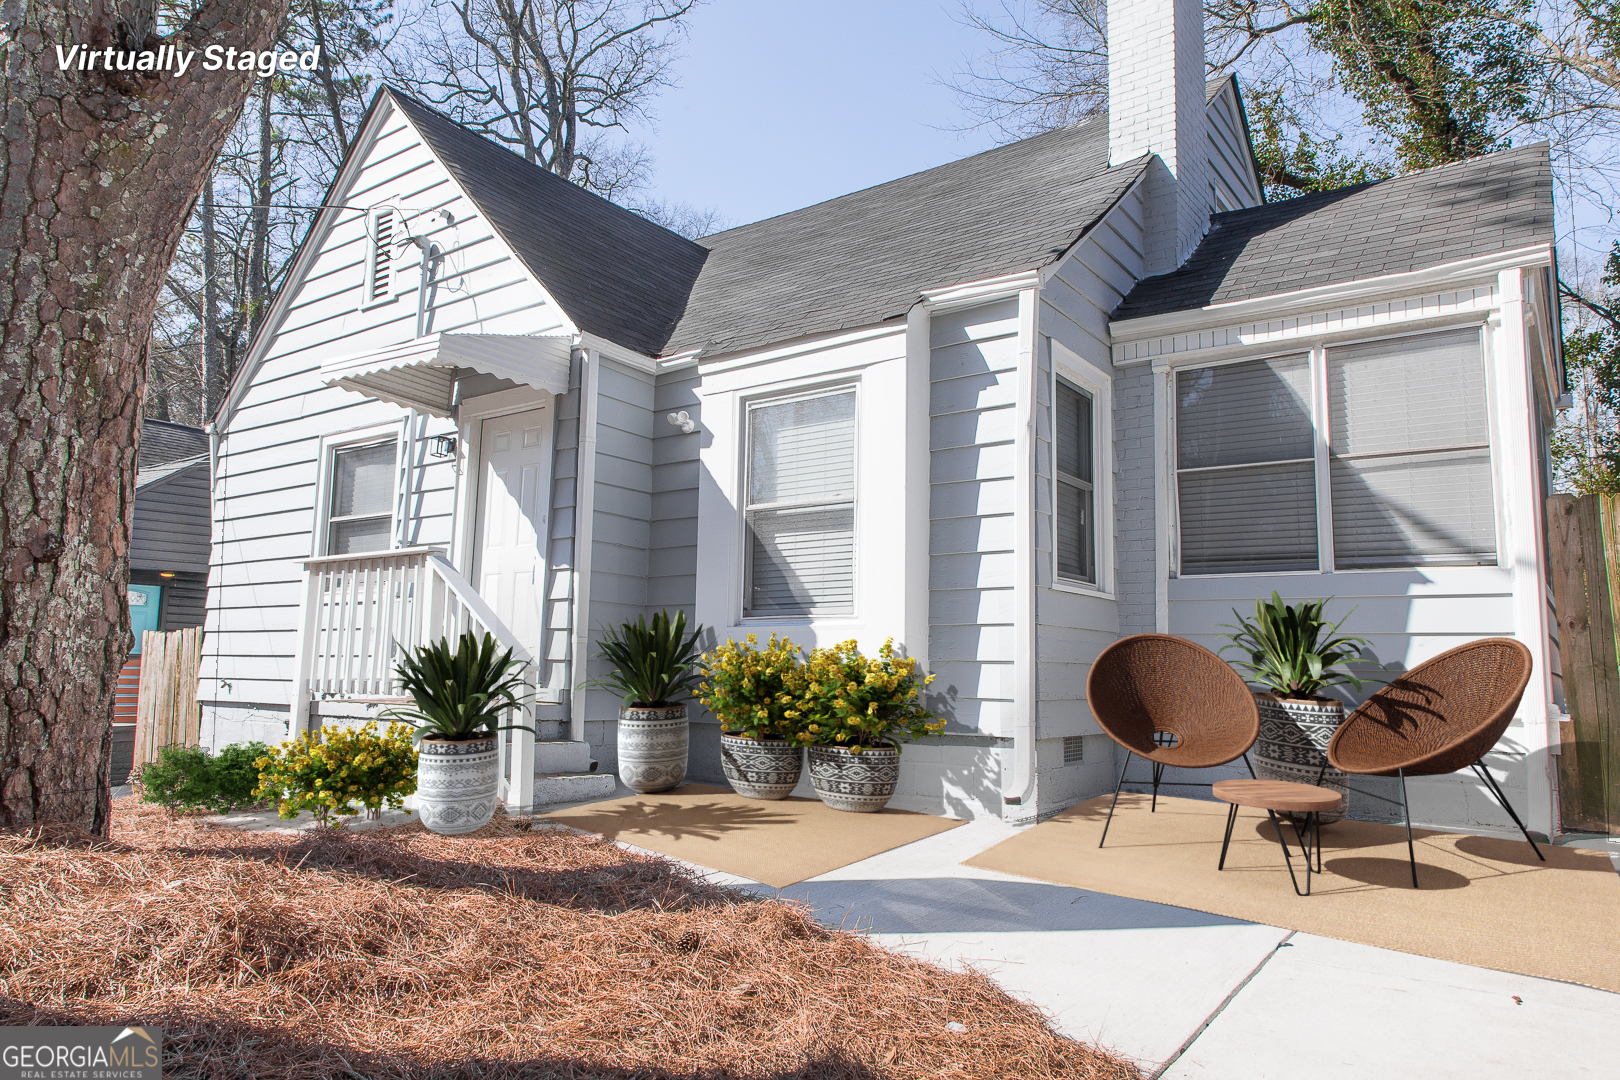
[(143, 610)]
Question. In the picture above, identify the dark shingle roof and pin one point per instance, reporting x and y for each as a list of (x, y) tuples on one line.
[(863, 258), (1494, 203), (616, 274), (162, 442)]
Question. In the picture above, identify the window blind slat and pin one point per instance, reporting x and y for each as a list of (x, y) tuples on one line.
[(363, 480), (1257, 520), (359, 534), (1074, 432), (802, 561), (1076, 553), (802, 449), (1417, 394), (1237, 414)]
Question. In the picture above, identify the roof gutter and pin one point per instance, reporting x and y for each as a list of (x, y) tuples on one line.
[(1020, 788)]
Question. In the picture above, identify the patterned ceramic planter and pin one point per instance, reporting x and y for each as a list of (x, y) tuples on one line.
[(860, 783), (652, 748), (1293, 742), (761, 768), (456, 784)]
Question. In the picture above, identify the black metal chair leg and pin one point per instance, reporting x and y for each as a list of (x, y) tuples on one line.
[(1406, 816), (1115, 803), (1250, 764), (1231, 819), (1158, 771), (1289, 859), (1485, 774)]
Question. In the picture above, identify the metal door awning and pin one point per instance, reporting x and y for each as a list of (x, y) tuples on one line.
[(421, 373)]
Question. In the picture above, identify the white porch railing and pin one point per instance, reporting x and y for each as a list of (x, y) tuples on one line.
[(361, 613)]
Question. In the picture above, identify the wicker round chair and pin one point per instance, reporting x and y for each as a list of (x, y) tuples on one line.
[(1442, 716), (1172, 702)]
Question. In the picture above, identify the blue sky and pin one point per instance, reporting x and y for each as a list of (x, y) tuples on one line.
[(784, 103)]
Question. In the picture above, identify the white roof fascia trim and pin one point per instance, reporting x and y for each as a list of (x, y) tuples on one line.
[(802, 346), (541, 361), (628, 357), (688, 358), (156, 474), (1281, 304), (1008, 285)]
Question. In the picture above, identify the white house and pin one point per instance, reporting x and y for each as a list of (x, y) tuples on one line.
[(1004, 411)]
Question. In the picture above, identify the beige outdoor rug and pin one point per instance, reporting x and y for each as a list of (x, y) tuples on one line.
[(779, 843), (1483, 901)]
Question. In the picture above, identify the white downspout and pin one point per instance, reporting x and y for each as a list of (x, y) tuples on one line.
[(584, 515), (1021, 791)]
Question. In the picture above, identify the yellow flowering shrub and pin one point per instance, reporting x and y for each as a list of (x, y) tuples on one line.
[(845, 699), (340, 771), (745, 687)]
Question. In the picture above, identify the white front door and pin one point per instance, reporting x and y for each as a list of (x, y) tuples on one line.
[(513, 494)]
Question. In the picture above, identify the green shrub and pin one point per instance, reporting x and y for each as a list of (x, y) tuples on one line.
[(653, 665), (459, 695), (745, 687), (189, 778), (854, 701)]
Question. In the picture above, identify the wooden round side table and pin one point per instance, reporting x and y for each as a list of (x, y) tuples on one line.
[(1280, 796)]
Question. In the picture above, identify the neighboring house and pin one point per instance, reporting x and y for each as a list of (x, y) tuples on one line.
[(168, 555), (1003, 411)]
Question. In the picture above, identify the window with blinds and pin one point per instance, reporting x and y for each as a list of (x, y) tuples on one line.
[(801, 505), (1410, 455), (360, 514), (1245, 467), (380, 261), (1076, 529)]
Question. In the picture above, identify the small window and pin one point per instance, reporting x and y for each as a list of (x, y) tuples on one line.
[(360, 515), (1410, 453), (1076, 493), (801, 506), (1246, 467), (380, 260)]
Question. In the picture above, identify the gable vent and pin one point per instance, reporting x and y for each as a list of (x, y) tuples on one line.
[(379, 271)]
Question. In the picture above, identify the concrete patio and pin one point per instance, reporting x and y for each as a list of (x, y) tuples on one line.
[(1191, 995)]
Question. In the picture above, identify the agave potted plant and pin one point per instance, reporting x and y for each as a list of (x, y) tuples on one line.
[(746, 688), (1295, 654), (655, 665), (459, 699), (855, 712)]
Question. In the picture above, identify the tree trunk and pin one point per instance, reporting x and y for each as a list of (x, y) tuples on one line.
[(98, 174)]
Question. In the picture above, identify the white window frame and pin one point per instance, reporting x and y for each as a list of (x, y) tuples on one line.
[(746, 547), (1321, 419), (353, 440), (368, 299), (1072, 367)]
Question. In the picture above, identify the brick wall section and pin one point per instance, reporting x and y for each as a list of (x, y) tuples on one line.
[(1135, 529)]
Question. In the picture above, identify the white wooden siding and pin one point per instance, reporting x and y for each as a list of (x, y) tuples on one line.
[(1230, 169), (264, 492), (973, 387), (672, 559)]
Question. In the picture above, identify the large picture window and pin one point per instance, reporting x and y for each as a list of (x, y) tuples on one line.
[(1076, 488), (1406, 458), (1411, 453), (360, 511), (801, 505), (1245, 467)]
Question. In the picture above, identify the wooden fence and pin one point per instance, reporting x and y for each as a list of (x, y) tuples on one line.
[(166, 708), (1584, 536)]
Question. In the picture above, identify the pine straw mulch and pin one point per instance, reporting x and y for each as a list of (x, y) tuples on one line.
[(540, 953)]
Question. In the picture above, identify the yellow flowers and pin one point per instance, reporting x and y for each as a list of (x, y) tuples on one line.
[(351, 765)]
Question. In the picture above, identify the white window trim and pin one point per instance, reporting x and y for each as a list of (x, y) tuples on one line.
[(1070, 366), (817, 388), (367, 300), (349, 440), (1320, 421)]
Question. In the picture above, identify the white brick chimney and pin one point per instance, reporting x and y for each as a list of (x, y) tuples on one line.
[(1156, 106)]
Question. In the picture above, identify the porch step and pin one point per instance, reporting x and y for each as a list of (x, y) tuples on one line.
[(552, 756), (572, 787)]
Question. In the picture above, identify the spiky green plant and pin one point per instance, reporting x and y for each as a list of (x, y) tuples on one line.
[(1293, 650), (460, 695), (653, 665)]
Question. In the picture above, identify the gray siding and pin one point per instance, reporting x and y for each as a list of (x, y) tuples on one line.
[(1230, 169), (172, 529), (971, 566), (672, 562)]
